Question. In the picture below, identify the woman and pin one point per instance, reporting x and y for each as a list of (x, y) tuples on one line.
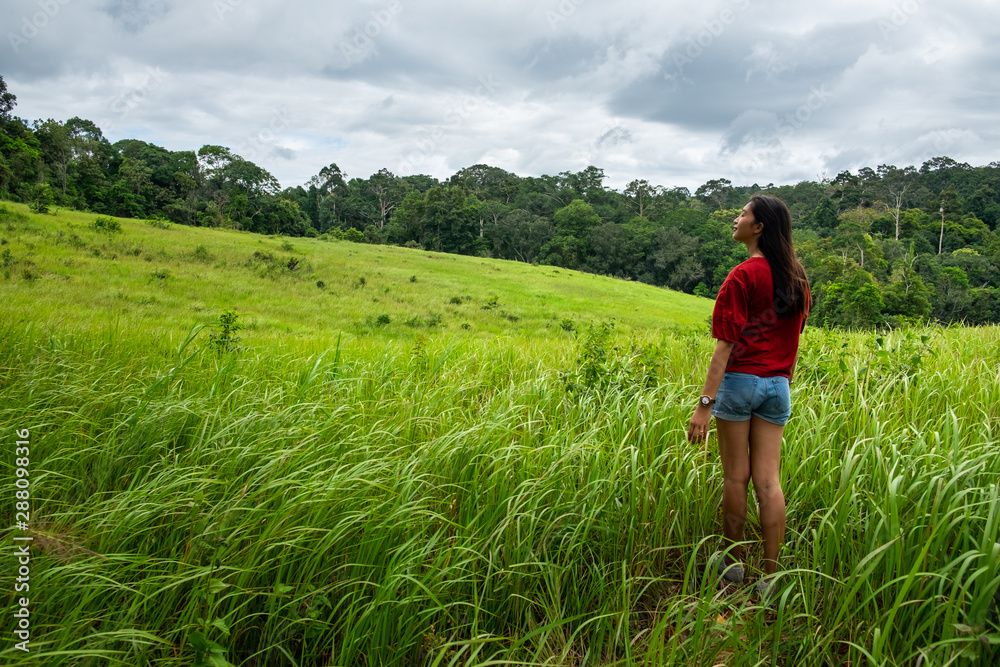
[(759, 313)]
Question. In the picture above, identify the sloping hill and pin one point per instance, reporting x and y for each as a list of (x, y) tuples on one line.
[(60, 269)]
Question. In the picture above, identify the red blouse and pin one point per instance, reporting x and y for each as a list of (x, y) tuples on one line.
[(744, 314)]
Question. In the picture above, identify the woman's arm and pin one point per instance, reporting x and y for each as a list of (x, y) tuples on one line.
[(698, 428)]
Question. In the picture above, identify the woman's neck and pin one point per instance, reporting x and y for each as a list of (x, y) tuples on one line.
[(752, 248)]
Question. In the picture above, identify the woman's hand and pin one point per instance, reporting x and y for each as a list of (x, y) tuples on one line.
[(698, 428)]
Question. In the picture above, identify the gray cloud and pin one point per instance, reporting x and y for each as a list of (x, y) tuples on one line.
[(711, 86), (135, 15), (748, 90), (282, 153)]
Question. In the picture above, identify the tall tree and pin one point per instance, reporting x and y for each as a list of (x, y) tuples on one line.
[(388, 191), (7, 101), (715, 192), (640, 193), (949, 206), (56, 149)]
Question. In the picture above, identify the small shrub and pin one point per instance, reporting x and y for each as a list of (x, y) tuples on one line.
[(457, 300), (266, 265), (226, 339), (411, 244), (413, 279), (41, 198), (382, 320), (492, 302), (8, 257), (158, 223), (567, 325), (201, 254), (320, 284), (160, 274), (361, 282), (287, 246), (354, 236), (594, 366), (107, 225), (466, 326)]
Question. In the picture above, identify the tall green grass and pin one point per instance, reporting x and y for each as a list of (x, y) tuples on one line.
[(452, 500), (446, 463)]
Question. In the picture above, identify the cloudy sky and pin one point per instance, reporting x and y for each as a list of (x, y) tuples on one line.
[(674, 92)]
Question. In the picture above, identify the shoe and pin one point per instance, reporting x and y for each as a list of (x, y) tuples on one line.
[(765, 591), (731, 574)]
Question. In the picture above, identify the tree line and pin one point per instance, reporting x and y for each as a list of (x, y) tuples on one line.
[(881, 246)]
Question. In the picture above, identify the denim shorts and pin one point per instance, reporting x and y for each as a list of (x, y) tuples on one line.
[(742, 395)]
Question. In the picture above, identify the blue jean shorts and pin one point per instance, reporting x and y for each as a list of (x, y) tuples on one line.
[(742, 395)]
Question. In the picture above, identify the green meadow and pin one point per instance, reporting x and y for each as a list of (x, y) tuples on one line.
[(396, 457), (171, 278)]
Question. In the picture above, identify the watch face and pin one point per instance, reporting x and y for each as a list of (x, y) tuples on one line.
[(705, 400)]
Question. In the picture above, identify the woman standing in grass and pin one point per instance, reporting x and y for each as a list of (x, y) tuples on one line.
[(759, 313)]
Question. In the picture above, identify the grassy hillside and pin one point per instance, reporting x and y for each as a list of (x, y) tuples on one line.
[(61, 271), (429, 494)]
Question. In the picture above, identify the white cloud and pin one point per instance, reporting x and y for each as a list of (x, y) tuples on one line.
[(669, 92)]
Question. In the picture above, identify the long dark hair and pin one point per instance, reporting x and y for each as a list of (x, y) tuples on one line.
[(791, 287)]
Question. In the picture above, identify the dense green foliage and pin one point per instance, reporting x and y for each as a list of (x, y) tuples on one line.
[(881, 247)]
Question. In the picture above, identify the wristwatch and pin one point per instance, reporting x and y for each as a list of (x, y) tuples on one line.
[(706, 401)]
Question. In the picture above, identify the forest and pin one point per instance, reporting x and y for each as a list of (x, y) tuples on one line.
[(883, 247)]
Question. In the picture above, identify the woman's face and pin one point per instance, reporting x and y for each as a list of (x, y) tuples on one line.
[(744, 226)]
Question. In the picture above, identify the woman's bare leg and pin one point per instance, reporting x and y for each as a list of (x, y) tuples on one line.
[(765, 460), (734, 441)]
